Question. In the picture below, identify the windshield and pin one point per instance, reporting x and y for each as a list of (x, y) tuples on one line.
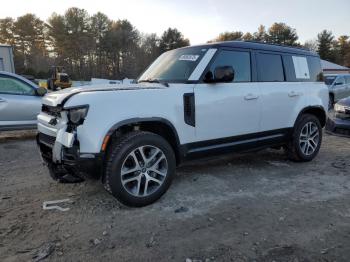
[(329, 80), (174, 66)]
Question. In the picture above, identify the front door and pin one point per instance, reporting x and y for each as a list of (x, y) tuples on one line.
[(228, 110)]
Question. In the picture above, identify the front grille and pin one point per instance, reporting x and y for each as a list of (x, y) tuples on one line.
[(51, 110), (46, 139)]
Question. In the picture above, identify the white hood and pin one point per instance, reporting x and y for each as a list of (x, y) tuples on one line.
[(56, 98)]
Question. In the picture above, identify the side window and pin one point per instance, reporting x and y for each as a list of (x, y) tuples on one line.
[(13, 86), (239, 60), (340, 80), (270, 68), (316, 73)]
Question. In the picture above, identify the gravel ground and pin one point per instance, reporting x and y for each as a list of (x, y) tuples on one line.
[(246, 207)]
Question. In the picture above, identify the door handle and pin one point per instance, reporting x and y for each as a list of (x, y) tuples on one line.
[(2, 100), (251, 97), (293, 94)]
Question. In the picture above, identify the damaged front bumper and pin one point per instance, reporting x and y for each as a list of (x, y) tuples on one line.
[(60, 148)]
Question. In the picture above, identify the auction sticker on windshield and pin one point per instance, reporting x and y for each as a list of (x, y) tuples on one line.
[(188, 58)]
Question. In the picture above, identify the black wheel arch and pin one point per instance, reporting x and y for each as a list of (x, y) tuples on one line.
[(317, 111), (157, 125)]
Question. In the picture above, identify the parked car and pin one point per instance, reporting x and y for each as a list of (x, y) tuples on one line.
[(20, 102), (191, 102), (340, 123), (339, 87)]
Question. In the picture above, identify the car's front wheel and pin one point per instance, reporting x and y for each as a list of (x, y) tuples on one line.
[(139, 168), (306, 139)]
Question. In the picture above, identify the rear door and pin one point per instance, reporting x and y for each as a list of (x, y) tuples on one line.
[(19, 104), (280, 99)]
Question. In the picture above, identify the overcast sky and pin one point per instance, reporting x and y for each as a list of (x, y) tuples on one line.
[(202, 20)]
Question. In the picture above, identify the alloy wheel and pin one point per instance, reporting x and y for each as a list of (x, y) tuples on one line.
[(309, 138), (144, 170)]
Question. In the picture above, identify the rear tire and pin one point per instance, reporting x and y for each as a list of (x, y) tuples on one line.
[(139, 169), (306, 139)]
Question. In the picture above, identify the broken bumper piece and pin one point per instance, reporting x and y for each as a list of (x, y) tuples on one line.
[(63, 151)]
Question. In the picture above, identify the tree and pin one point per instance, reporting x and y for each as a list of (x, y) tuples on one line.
[(121, 44), (30, 47), (311, 45), (248, 37), (7, 31), (100, 25), (342, 50), (171, 39), (260, 35), (229, 36), (325, 45), (280, 33)]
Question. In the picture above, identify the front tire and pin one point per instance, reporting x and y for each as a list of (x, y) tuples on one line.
[(139, 169), (306, 139)]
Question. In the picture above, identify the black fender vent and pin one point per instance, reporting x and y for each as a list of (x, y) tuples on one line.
[(189, 109)]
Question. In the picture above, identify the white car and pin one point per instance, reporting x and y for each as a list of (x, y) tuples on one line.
[(191, 102)]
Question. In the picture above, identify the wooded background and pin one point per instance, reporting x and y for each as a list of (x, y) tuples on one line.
[(96, 46)]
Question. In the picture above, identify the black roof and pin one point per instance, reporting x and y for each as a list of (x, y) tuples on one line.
[(260, 46)]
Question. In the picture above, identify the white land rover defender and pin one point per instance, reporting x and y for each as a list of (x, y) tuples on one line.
[(191, 102)]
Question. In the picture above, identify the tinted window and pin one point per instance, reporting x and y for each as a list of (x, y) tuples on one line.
[(340, 80), (316, 73), (239, 60), (329, 80), (13, 86), (289, 68), (270, 68)]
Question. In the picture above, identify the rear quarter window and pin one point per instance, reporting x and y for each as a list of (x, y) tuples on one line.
[(316, 73), (302, 68)]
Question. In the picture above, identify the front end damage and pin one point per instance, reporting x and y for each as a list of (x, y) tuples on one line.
[(59, 147)]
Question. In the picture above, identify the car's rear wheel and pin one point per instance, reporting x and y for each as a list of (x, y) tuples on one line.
[(306, 139), (139, 168)]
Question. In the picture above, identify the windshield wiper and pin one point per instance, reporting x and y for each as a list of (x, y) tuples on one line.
[(154, 81)]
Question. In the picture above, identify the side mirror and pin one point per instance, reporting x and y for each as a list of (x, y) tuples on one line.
[(222, 74), (41, 91)]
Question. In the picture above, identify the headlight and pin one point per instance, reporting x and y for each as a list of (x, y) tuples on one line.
[(76, 115), (339, 108)]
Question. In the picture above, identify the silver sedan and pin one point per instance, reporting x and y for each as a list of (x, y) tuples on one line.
[(20, 102)]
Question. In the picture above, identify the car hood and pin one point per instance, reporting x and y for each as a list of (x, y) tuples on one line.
[(59, 97), (344, 101)]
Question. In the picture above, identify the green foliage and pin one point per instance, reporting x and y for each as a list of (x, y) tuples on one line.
[(325, 45), (329, 48), (172, 39), (88, 46), (280, 33), (96, 46)]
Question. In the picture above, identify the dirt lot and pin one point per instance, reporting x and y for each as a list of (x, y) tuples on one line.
[(248, 207)]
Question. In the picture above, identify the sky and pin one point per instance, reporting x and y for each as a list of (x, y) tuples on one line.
[(203, 20)]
